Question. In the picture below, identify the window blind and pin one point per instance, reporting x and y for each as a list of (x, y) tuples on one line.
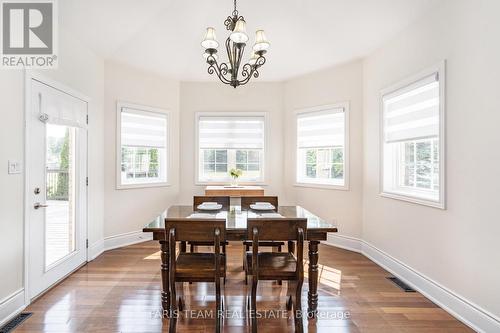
[(143, 129), (321, 129), (412, 112), (231, 132)]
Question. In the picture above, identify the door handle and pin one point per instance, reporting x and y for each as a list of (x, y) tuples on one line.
[(38, 205)]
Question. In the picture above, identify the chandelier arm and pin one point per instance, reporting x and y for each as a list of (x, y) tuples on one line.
[(221, 74), (222, 78), (253, 72), (224, 68), (261, 60), (247, 70), (219, 70), (250, 71)]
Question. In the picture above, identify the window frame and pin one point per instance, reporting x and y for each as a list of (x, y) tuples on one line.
[(300, 183), (262, 180), (440, 70), (168, 151)]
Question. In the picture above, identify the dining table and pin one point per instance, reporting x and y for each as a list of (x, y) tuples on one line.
[(236, 230)]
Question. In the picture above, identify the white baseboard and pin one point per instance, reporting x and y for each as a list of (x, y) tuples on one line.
[(344, 242), (464, 310), (113, 242), (129, 238), (95, 250), (11, 306)]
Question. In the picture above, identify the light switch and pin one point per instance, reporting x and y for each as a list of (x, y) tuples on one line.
[(14, 167)]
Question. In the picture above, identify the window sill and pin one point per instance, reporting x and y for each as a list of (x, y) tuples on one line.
[(139, 186), (323, 186), (412, 199), (222, 183)]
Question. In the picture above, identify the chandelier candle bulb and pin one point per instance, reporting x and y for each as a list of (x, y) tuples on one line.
[(210, 41), (239, 34), (261, 42)]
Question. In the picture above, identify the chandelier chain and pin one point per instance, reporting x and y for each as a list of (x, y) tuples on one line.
[(235, 11)]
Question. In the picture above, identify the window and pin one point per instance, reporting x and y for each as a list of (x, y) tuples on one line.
[(142, 151), (321, 146), (227, 142), (412, 158)]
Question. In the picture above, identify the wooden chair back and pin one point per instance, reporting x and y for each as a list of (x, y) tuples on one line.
[(277, 229), (194, 230), (201, 230), (247, 201), (198, 200)]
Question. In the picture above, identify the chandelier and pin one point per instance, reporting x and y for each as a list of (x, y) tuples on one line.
[(235, 45)]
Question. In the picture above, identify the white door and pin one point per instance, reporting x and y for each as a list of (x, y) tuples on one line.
[(56, 185)]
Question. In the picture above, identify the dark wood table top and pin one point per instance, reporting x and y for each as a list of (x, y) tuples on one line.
[(236, 219)]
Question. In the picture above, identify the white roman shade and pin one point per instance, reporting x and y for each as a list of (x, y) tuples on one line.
[(59, 108), (320, 129), (234, 132), (143, 129), (412, 112)]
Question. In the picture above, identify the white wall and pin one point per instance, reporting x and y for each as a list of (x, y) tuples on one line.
[(334, 85), (128, 210), (256, 97), (458, 247), (82, 71), (11, 186)]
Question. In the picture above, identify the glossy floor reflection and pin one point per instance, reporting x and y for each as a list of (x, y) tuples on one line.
[(120, 292)]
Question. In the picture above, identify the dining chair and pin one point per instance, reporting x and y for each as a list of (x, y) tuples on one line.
[(277, 265), (198, 200), (245, 205), (195, 267)]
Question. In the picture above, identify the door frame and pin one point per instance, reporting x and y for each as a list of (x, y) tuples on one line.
[(30, 75)]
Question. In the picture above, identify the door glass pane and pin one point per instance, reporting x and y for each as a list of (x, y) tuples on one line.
[(60, 192)]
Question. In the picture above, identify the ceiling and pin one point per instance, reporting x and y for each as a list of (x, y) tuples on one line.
[(164, 36)]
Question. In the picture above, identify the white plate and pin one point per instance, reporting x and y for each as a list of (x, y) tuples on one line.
[(263, 207), (209, 207)]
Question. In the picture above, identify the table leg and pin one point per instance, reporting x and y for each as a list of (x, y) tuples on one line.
[(312, 302), (165, 293)]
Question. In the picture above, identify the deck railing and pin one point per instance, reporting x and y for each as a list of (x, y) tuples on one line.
[(57, 184)]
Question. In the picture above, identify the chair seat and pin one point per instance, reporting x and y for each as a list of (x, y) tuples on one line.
[(200, 266), (200, 243), (265, 243), (274, 265)]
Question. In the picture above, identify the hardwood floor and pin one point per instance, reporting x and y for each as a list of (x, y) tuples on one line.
[(120, 292)]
